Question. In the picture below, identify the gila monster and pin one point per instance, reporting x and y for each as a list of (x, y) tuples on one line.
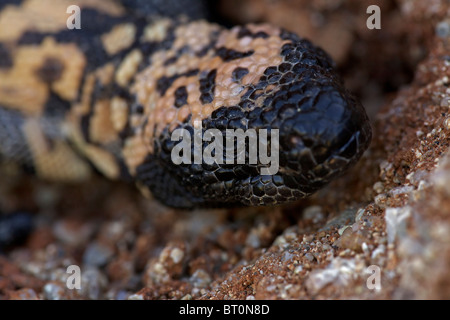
[(107, 97)]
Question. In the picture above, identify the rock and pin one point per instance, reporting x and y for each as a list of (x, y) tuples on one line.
[(23, 294), (97, 255)]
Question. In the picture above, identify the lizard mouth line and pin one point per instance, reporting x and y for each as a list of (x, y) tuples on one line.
[(209, 147)]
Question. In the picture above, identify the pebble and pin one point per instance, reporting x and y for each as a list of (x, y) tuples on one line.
[(23, 294), (341, 230), (97, 255), (378, 187), (396, 222), (72, 233), (14, 228), (339, 272), (313, 213), (54, 291), (443, 29), (200, 278), (93, 283), (177, 255), (298, 269), (309, 257), (136, 297)]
